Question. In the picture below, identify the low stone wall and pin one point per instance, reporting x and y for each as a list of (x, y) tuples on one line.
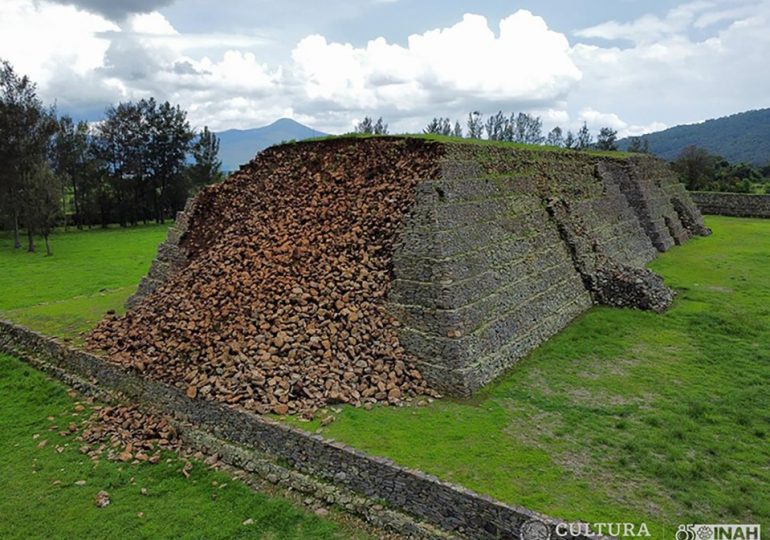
[(732, 204), (450, 508)]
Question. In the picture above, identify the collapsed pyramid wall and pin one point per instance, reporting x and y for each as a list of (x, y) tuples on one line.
[(496, 249), (277, 306)]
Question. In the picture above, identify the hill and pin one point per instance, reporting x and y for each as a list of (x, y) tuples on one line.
[(239, 146), (742, 137)]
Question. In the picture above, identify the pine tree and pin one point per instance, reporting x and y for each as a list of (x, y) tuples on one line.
[(206, 168), (607, 140), (555, 137), (27, 128), (584, 138), (367, 126), (569, 140), (639, 145), (475, 125)]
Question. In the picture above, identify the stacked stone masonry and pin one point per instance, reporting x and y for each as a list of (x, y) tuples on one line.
[(732, 204), (508, 246), (171, 256), (505, 246)]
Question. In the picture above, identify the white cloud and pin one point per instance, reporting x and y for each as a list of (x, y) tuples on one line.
[(524, 63), (43, 39), (699, 60), (675, 72), (446, 71), (597, 120), (649, 28), (153, 24), (116, 9)]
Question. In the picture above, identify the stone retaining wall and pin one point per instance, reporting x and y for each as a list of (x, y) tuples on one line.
[(170, 256), (450, 508), (507, 246), (732, 204)]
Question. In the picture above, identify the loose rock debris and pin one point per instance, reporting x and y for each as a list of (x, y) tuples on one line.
[(127, 434), (279, 307)]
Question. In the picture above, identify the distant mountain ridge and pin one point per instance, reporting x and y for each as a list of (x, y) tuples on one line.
[(742, 137), (239, 146)]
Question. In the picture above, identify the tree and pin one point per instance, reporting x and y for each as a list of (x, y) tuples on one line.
[(120, 146), (365, 126), (584, 138), (41, 202), (607, 140), (206, 167), (380, 128), (167, 148), (534, 131), (509, 126), (639, 145), (439, 126), (70, 159), (369, 127), (696, 167), (495, 127), (569, 140), (475, 125), (458, 130), (26, 128), (519, 127), (142, 149), (555, 137), (526, 129)]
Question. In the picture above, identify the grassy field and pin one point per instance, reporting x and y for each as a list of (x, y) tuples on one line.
[(89, 273), (624, 416), (42, 495)]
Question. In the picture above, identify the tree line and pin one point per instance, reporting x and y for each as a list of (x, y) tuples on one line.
[(700, 170), (138, 165), (514, 127)]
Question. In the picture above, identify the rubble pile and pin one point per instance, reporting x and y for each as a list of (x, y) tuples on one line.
[(279, 306), (126, 434)]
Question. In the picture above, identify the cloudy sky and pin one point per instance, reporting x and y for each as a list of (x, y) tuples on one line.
[(635, 65)]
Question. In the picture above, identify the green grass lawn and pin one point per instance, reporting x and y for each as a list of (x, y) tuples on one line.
[(624, 416), (89, 273), (445, 139), (42, 498)]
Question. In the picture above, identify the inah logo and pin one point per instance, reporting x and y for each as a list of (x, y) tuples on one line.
[(718, 532)]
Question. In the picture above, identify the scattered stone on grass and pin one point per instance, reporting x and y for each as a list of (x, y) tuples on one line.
[(102, 499), (124, 433)]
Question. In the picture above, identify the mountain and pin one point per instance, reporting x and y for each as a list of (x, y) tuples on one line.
[(239, 146), (742, 137)]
